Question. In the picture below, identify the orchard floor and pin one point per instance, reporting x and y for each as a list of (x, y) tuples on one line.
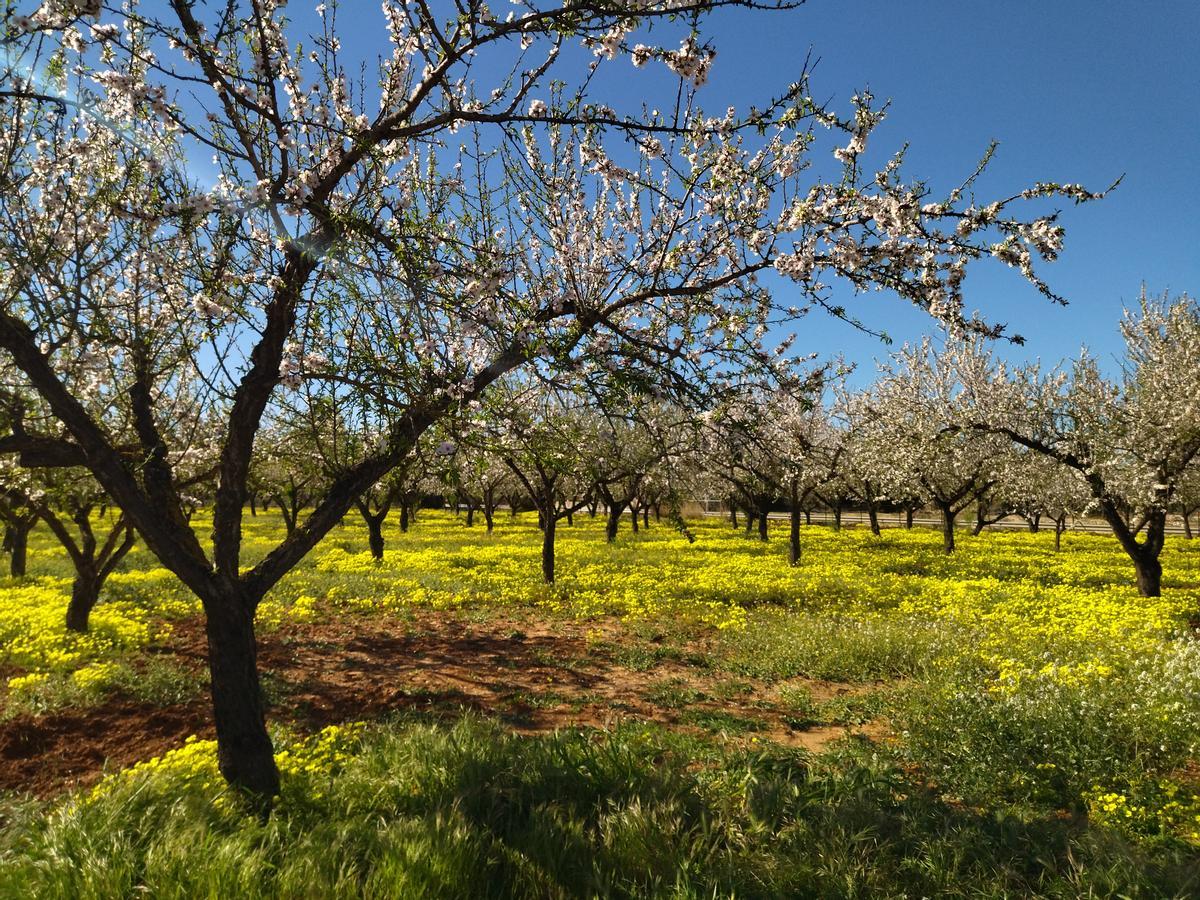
[(691, 718), (536, 675)]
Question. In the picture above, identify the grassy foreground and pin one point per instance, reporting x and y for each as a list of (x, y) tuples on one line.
[(1038, 726), (470, 811)]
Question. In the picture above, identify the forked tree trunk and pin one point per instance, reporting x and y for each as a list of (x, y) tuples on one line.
[(1035, 523), (245, 756)]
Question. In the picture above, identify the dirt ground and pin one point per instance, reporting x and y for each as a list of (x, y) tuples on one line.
[(536, 675)]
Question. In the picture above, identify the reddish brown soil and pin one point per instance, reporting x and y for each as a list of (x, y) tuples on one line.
[(536, 675)]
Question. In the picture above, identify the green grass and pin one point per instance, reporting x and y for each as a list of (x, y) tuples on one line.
[(470, 811)]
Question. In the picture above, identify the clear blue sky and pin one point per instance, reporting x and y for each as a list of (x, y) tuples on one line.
[(1075, 90)]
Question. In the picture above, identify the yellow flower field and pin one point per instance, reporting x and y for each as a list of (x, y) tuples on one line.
[(1010, 634)]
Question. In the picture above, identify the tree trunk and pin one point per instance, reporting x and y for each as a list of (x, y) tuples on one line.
[(1187, 524), (1060, 525), (633, 518), (470, 515), (1149, 574), (808, 517), (571, 517), (16, 540), (548, 549), (84, 594), (1035, 523), (375, 535), (489, 511), (245, 756), (750, 516), (908, 518), (873, 516), (837, 517), (762, 525), (403, 517), (948, 516), (981, 511), (733, 515), (613, 524), (646, 517), (794, 535), (253, 504)]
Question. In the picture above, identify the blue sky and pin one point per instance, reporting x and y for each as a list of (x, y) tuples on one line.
[(1074, 91)]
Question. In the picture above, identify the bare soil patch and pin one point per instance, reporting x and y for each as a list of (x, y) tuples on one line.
[(536, 675)]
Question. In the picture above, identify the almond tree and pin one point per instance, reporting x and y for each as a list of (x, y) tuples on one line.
[(1132, 438), (913, 434), (543, 447), (346, 240)]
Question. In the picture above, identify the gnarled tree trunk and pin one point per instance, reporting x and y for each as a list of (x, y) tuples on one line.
[(85, 592), (244, 753)]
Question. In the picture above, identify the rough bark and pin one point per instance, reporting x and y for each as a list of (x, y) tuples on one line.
[(85, 592), (244, 753), (873, 516)]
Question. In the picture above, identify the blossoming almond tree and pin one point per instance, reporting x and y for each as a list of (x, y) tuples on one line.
[(914, 407), (412, 236), (1132, 439)]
